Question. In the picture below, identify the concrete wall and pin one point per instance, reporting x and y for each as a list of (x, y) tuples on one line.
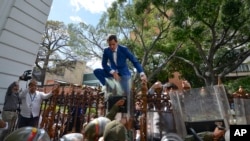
[(22, 23)]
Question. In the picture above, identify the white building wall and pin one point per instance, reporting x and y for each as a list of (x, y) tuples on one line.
[(22, 23)]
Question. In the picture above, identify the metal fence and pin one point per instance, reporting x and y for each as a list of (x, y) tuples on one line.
[(155, 114), (66, 112), (70, 107)]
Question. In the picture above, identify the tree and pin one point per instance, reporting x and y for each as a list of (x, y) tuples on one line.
[(87, 41), (146, 34), (187, 72), (233, 85), (54, 53), (142, 34), (217, 30)]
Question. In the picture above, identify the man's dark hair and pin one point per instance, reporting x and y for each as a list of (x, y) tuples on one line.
[(112, 37), (32, 82), (9, 90)]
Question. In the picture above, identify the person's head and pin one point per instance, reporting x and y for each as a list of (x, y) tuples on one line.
[(33, 86), (169, 86), (95, 128), (115, 131), (157, 85), (112, 42), (28, 133), (13, 88), (185, 85), (72, 137)]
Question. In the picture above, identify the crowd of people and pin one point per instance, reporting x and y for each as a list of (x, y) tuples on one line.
[(22, 108), (103, 128)]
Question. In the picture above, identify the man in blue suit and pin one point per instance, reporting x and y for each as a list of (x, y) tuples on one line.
[(115, 66)]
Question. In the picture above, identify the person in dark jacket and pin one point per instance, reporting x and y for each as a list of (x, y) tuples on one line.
[(114, 63), (11, 106)]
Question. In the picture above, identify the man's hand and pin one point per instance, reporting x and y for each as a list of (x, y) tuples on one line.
[(2, 124), (217, 134), (144, 78), (116, 76), (120, 102), (55, 89)]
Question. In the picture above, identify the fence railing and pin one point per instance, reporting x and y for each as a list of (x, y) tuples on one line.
[(72, 106), (67, 110)]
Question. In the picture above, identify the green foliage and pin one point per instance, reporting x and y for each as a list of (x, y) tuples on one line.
[(210, 33), (198, 32), (233, 85), (141, 5), (88, 41), (180, 34), (216, 29), (233, 14), (187, 72)]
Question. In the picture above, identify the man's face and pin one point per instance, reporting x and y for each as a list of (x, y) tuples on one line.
[(33, 87), (112, 45), (15, 88)]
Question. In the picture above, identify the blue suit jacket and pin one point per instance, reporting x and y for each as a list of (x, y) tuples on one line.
[(123, 54)]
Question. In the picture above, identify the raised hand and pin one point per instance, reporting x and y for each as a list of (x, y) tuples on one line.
[(120, 102), (144, 78), (55, 89)]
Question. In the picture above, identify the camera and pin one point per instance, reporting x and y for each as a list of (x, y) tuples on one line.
[(26, 75)]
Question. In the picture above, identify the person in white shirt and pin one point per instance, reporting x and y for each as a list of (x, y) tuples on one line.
[(31, 101)]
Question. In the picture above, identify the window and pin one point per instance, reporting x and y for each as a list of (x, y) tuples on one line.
[(243, 68)]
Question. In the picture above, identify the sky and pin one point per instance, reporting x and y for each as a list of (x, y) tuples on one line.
[(74, 11)]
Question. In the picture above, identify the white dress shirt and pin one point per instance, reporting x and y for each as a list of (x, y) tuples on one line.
[(142, 74), (115, 60), (115, 56), (31, 103)]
